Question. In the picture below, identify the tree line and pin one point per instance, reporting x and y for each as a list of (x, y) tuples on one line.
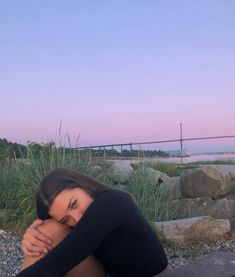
[(125, 153), (12, 150)]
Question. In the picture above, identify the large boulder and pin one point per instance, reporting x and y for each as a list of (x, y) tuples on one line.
[(232, 186), (189, 207), (230, 196), (171, 188), (206, 181), (223, 208), (121, 172), (193, 229), (201, 206), (217, 264), (156, 177), (232, 223)]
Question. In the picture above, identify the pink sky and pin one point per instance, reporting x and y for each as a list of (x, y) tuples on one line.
[(125, 72)]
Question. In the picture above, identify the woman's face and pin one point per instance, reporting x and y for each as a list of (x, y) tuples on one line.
[(69, 206)]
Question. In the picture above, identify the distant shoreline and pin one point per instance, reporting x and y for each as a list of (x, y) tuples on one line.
[(192, 158)]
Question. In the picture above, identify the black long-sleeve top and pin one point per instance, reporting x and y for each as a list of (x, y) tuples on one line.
[(112, 229)]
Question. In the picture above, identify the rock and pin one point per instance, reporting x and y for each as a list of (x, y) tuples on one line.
[(223, 208), (232, 205), (230, 196), (206, 181), (156, 177), (121, 171), (201, 206), (189, 207), (171, 188), (193, 229), (232, 186), (218, 264), (232, 223)]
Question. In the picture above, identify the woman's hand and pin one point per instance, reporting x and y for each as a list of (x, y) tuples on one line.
[(34, 242)]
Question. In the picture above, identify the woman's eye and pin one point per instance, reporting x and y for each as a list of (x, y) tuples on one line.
[(74, 205), (64, 221)]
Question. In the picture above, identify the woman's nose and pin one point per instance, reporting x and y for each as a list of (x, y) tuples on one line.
[(75, 216)]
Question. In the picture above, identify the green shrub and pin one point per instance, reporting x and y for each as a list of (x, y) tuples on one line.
[(148, 198), (170, 169), (19, 181)]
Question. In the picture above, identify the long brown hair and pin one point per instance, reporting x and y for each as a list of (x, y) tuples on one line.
[(60, 179)]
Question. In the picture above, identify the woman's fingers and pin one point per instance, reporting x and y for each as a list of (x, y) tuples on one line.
[(40, 238), (34, 242), (32, 233), (30, 254), (36, 223), (32, 251)]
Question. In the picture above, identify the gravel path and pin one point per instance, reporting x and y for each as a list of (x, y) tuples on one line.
[(180, 255), (11, 255)]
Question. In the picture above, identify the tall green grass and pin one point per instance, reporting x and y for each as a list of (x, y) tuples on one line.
[(170, 169), (215, 162), (174, 169), (19, 180), (147, 196)]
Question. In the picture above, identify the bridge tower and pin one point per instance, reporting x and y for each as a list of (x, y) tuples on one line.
[(181, 139)]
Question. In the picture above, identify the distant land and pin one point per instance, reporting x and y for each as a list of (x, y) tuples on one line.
[(15, 150)]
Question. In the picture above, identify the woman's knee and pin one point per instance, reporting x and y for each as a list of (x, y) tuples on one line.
[(54, 230)]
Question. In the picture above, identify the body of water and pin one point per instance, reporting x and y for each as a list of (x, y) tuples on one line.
[(190, 159), (201, 157)]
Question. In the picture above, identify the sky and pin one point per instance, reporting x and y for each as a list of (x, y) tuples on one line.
[(117, 71)]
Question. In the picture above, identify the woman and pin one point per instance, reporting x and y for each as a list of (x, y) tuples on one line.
[(108, 232)]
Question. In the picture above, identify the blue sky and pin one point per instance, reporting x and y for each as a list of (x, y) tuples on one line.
[(117, 71)]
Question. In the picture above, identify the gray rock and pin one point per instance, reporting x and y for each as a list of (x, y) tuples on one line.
[(171, 188), (232, 186), (189, 230), (232, 223), (206, 181), (230, 196), (189, 207), (201, 206), (223, 208), (121, 171), (218, 264), (156, 177)]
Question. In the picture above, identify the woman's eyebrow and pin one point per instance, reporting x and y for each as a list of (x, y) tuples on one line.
[(69, 205)]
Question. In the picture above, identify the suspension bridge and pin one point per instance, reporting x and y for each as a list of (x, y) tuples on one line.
[(181, 139)]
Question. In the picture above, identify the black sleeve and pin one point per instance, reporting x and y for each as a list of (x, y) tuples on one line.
[(104, 214)]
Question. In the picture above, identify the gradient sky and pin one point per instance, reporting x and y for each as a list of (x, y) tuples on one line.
[(118, 70)]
